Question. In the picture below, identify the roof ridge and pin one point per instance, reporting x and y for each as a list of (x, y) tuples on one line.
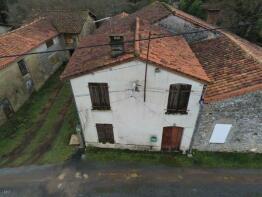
[(24, 26), (137, 44), (240, 43)]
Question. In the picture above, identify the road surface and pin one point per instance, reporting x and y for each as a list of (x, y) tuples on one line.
[(126, 179)]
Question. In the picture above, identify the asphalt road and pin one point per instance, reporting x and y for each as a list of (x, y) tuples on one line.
[(125, 179)]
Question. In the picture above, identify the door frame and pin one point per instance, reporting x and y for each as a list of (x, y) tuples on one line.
[(173, 131)]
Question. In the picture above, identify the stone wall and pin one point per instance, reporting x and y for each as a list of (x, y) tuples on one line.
[(245, 115), (14, 86)]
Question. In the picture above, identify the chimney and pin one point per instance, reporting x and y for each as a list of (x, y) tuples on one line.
[(117, 45), (212, 16)]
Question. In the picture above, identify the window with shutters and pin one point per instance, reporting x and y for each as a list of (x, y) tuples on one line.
[(178, 98), (22, 67), (105, 133), (99, 96)]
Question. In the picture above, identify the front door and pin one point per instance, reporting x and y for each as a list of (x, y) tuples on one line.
[(171, 138)]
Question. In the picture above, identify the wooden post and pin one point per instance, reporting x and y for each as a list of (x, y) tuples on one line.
[(147, 56)]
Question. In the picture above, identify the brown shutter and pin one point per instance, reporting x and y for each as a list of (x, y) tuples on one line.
[(105, 133), (99, 96), (184, 98), (178, 98)]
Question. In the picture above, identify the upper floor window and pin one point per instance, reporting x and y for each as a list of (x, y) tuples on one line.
[(22, 67), (178, 98), (49, 43), (99, 96)]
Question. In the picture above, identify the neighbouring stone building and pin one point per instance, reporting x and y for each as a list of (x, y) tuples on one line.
[(231, 118), (21, 75), (243, 112), (73, 25)]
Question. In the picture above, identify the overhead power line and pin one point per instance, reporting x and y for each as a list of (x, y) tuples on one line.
[(155, 36)]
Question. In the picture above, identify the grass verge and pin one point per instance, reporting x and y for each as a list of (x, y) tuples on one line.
[(14, 131), (199, 159)]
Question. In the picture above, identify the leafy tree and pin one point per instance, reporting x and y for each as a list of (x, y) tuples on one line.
[(194, 7), (3, 11)]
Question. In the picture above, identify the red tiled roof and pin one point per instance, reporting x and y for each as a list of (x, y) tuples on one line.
[(151, 13), (232, 70), (172, 53), (24, 39)]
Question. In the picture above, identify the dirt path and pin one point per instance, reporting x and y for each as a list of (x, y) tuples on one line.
[(31, 133), (46, 145)]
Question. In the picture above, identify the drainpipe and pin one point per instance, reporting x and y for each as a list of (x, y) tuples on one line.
[(201, 102), (79, 129)]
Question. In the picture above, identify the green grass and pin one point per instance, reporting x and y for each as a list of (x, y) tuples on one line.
[(60, 149), (14, 130), (199, 159)]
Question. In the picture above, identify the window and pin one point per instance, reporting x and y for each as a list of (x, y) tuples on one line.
[(22, 67), (7, 108), (69, 39), (49, 43), (99, 96), (220, 133), (178, 98), (105, 133), (29, 85), (117, 45)]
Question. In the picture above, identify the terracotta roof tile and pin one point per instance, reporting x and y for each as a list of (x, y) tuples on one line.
[(171, 53), (24, 39), (232, 70), (67, 22)]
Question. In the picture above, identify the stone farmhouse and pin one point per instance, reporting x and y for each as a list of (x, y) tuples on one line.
[(21, 75), (188, 91)]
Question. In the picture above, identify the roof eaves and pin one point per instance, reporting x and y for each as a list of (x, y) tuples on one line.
[(205, 81), (236, 93), (72, 76)]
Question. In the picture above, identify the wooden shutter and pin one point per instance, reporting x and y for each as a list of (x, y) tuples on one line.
[(184, 95), (99, 96), (178, 98), (105, 133)]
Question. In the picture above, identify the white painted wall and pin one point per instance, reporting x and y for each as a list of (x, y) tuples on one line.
[(134, 121)]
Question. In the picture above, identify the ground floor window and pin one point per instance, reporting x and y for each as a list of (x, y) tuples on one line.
[(7, 108), (105, 133)]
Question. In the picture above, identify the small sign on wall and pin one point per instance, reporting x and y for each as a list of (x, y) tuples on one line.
[(153, 139)]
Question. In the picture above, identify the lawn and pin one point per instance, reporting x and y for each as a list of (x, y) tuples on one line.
[(40, 131), (199, 159)]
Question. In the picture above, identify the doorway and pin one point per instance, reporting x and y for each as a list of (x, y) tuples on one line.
[(171, 138)]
